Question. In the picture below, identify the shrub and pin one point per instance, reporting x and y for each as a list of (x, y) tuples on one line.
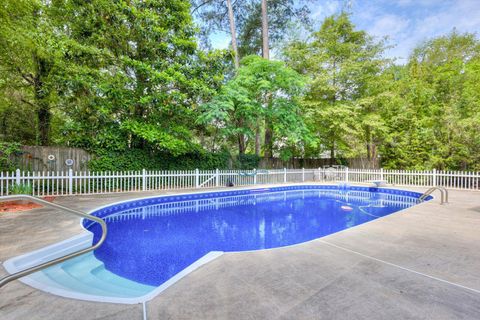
[(138, 159), (247, 161), (7, 150), (21, 189)]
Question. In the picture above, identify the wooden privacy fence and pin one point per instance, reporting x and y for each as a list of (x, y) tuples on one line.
[(39, 158), (73, 182)]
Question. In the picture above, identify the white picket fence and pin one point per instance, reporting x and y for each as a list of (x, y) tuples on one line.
[(73, 183)]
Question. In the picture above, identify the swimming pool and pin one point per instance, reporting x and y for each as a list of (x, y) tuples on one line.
[(152, 241)]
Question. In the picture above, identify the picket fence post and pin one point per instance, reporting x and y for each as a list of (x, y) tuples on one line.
[(144, 180), (285, 175), (70, 181), (346, 174), (217, 178), (197, 179), (17, 177)]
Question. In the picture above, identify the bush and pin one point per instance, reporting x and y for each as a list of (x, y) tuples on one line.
[(21, 189), (7, 150), (247, 161), (138, 159)]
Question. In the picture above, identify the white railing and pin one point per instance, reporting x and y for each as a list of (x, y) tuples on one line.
[(72, 183), (466, 180)]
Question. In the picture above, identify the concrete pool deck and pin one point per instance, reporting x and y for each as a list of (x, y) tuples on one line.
[(420, 263)]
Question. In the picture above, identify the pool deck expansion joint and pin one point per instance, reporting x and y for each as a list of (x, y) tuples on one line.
[(399, 267)]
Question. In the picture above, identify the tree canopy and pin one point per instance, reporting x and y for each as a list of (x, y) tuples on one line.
[(342, 64), (262, 90)]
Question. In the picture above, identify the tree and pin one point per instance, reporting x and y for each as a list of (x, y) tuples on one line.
[(343, 65), (435, 106), (31, 55), (243, 101), (151, 79)]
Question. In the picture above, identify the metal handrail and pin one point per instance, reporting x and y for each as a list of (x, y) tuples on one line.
[(443, 193), (17, 275)]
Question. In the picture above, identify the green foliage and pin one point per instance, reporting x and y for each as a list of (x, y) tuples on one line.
[(246, 162), (262, 91), (21, 189), (419, 116), (434, 113), (116, 75), (157, 77), (7, 150), (30, 60), (340, 105), (138, 159)]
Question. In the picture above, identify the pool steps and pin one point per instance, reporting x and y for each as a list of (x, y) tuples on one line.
[(85, 277), (86, 274), (81, 241)]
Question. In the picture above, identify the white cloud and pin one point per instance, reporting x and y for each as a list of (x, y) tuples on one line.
[(323, 9), (389, 25), (406, 3)]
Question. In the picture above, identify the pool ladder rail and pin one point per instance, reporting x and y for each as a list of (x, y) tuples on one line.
[(30, 270), (443, 193)]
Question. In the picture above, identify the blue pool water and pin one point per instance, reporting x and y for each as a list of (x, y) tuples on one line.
[(151, 240)]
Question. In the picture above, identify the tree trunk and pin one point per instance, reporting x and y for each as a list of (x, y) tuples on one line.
[(241, 144), (257, 140), (234, 34), (268, 147), (44, 115), (373, 158), (369, 143), (268, 153), (265, 46), (371, 148), (44, 119), (332, 154)]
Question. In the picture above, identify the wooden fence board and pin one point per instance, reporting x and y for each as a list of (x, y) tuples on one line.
[(38, 158)]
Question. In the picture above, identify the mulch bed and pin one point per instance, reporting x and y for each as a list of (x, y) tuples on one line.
[(17, 206)]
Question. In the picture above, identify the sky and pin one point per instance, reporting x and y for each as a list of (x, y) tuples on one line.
[(406, 23)]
